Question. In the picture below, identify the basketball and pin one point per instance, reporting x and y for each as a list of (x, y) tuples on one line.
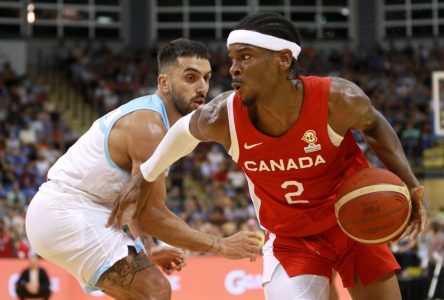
[(373, 206)]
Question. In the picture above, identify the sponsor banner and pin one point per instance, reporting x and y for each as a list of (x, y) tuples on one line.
[(204, 278)]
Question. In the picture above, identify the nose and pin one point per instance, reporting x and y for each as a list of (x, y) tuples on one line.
[(202, 87), (235, 69)]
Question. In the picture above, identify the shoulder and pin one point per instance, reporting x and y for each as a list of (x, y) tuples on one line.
[(139, 126), (345, 90), (135, 136), (211, 120), (215, 111), (347, 103), (143, 121), (346, 95)]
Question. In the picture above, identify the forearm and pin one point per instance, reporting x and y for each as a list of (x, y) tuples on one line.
[(147, 240), (161, 223), (384, 142), (177, 143)]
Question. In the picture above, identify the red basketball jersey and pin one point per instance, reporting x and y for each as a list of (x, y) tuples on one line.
[(293, 178)]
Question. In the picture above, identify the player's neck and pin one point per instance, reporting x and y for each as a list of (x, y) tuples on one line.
[(172, 113), (278, 111)]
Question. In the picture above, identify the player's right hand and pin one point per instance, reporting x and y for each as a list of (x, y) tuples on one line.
[(244, 244), (131, 194), (418, 219)]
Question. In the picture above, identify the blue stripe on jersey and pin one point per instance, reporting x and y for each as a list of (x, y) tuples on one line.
[(106, 123)]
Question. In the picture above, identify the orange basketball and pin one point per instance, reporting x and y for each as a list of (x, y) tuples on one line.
[(373, 206)]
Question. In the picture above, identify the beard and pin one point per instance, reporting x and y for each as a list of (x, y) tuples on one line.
[(179, 102)]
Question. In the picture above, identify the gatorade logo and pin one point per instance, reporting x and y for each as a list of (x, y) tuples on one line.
[(238, 282)]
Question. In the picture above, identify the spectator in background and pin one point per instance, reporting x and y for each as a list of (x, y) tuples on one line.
[(23, 248), (410, 140), (16, 198), (439, 218), (8, 73), (33, 282), (6, 241), (3, 206), (175, 200), (192, 211), (435, 239)]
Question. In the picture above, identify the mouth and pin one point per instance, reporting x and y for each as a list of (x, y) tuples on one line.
[(197, 102)]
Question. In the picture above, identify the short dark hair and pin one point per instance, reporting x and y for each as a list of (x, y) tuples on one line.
[(274, 24), (169, 53)]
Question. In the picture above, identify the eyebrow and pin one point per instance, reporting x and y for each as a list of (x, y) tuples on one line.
[(195, 70)]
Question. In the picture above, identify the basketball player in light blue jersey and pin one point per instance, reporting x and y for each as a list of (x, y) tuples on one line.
[(66, 220)]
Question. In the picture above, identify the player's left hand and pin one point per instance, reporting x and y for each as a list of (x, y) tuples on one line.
[(418, 218), (168, 258)]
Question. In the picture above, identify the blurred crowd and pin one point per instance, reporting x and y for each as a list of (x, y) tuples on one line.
[(33, 135), (397, 80), (205, 189)]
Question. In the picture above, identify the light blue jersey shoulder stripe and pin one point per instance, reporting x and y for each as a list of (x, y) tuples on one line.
[(106, 123)]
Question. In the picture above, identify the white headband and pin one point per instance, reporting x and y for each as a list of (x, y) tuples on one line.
[(263, 41)]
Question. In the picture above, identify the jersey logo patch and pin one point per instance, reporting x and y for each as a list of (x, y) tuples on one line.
[(310, 138), (246, 146)]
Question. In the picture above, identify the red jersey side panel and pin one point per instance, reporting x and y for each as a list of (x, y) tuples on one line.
[(293, 178)]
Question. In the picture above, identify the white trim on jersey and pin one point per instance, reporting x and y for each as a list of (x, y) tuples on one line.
[(234, 147), (335, 138), (255, 199), (270, 261)]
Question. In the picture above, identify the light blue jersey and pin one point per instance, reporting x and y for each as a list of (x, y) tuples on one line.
[(87, 165)]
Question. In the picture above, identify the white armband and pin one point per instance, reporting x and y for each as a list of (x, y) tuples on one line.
[(177, 143)]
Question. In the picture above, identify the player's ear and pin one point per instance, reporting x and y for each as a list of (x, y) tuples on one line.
[(163, 83), (285, 59)]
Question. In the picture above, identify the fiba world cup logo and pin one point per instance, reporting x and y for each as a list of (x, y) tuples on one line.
[(310, 138)]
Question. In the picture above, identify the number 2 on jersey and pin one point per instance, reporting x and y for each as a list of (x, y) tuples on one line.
[(298, 192)]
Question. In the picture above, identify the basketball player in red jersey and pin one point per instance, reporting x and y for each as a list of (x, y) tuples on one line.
[(293, 140)]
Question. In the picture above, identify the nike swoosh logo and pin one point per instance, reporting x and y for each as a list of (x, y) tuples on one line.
[(252, 145)]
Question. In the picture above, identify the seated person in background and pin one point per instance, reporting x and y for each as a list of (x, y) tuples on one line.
[(33, 282)]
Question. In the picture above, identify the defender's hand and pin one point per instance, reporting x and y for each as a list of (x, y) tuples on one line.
[(131, 194), (168, 258), (244, 244)]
